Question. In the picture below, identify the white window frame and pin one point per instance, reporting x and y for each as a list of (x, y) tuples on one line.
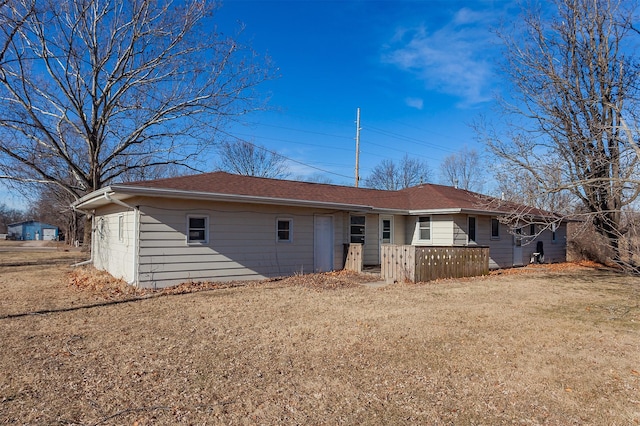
[(121, 227), (206, 229), (290, 230), (495, 237), (364, 229), (554, 233), (473, 240), (420, 228)]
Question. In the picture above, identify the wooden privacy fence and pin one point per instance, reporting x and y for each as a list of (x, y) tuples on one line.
[(353, 257), (401, 263)]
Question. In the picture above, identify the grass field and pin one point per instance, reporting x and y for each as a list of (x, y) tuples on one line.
[(553, 347)]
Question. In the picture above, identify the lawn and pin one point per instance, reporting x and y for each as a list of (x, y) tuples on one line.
[(543, 346)]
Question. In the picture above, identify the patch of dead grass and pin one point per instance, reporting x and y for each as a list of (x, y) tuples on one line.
[(552, 347)]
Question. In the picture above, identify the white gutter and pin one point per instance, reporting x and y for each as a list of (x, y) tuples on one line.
[(136, 218)]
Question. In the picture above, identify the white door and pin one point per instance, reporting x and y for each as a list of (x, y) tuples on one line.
[(323, 243), (517, 247), (386, 229)]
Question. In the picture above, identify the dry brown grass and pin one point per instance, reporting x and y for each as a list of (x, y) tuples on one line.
[(545, 347)]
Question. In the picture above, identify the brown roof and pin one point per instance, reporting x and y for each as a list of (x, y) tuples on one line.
[(421, 197)]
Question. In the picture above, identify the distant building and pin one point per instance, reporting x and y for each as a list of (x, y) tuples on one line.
[(32, 230)]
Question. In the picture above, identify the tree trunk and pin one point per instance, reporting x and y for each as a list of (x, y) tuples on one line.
[(86, 241)]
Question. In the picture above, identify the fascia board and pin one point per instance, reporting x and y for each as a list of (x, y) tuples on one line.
[(118, 190), (434, 211)]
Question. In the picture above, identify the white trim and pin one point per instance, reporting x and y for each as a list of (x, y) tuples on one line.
[(475, 239), (364, 227), (288, 220), (494, 237), (206, 229), (121, 227), (418, 230)]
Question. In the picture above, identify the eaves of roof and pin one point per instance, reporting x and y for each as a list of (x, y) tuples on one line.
[(122, 192)]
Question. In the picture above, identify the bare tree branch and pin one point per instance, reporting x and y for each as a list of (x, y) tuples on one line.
[(575, 78)]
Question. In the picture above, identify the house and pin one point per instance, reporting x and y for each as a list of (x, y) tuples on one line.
[(219, 226), (32, 230)]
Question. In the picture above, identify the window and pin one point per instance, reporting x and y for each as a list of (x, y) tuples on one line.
[(532, 229), (357, 229), (495, 228), (284, 230), (518, 237), (472, 229), (121, 228), (198, 229), (424, 227), (553, 233), (386, 231)]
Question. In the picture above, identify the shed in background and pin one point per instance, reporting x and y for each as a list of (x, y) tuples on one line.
[(32, 230)]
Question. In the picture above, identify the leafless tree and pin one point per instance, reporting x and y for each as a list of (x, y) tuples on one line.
[(391, 176), (10, 215), (53, 206), (246, 158), (574, 92), (463, 170), (94, 90)]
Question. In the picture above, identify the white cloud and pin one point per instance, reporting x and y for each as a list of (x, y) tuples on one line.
[(416, 103), (452, 59)]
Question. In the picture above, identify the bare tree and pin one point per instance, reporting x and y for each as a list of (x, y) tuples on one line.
[(53, 206), (10, 215), (92, 90), (391, 176), (518, 185), (463, 170), (575, 78), (246, 158)]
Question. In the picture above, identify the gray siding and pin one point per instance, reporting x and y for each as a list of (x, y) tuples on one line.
[(501, 248), (371, 249), (241, 243), (554, 251)]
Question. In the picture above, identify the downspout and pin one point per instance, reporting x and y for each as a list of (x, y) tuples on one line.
[(93, 216), (136, 218)]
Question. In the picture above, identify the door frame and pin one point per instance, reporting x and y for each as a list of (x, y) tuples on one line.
[(323, 255)]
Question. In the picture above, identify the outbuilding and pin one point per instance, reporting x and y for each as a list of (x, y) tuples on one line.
[(32, 230)]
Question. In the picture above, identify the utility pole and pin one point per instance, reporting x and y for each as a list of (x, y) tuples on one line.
[(357, 146)]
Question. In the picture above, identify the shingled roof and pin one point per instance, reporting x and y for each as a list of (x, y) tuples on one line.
[(424, 197)]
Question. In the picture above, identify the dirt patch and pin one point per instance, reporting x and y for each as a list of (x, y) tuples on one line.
[(545, 347)]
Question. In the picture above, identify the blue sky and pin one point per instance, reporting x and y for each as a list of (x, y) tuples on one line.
[(420, 71)]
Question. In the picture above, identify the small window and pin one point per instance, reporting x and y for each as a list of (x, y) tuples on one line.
[(472, 229), (518, 237), (357, 229), (121, 228), (554, 237), (424, 227), (495, 228), (284, 230), (198, 229), (532, 229)]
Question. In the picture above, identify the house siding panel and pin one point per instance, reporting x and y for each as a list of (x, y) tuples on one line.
[(109, 252), (241, 243), (500, 249), (460, 230), (371, 249)]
